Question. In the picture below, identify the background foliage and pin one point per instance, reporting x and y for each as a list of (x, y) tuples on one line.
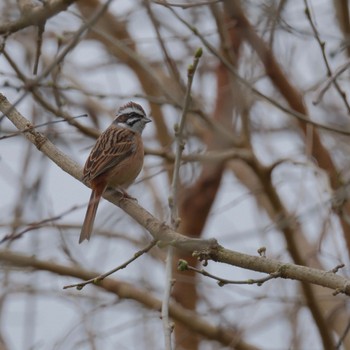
[(265, 164)]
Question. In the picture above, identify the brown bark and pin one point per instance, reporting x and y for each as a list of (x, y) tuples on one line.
[(294, 99), (298, 245), (341, 8), (196, 204)]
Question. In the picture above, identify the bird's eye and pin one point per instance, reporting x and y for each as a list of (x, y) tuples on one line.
[(133, 118)]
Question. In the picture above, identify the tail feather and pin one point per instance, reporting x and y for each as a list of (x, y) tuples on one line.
[(88, 224)]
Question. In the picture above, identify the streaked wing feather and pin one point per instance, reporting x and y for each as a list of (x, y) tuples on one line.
[(112, 147)]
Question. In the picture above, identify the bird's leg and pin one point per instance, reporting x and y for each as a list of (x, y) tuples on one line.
[(126, 194), (120, 192)]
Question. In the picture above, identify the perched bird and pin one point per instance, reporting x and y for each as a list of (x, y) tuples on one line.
[(115, 160)]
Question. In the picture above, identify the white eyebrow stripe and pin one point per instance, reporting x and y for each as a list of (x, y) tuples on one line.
[(131, 121), (129, 110)]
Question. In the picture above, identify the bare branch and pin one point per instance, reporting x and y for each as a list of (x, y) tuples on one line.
[(206, 249), (36, 16), (101, 277), (129, 291)]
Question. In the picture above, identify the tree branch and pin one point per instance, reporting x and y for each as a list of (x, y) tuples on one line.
[(204, 249), (128, 291), (37, 16)]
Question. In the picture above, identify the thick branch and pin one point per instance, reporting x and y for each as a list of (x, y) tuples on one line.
[(206, 248)]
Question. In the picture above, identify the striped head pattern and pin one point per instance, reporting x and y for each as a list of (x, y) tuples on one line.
[(131, 116)]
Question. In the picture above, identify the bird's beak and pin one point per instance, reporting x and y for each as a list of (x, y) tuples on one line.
[(148, 120)]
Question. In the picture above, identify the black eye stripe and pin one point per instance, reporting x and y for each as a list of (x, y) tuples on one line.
[(134, 115), (132, 120), (129, 118)]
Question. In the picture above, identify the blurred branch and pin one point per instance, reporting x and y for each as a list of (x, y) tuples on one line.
[(342, 14), (197, 199), (205, 248), (170, 63), (17, 133), (128, 291), (235, 131), (98, 279), (322, 45), (35, 226), (47, 105), (159, 230), (114, 35), (174, 196), (31, 83), (39, 42), (186, 6), (296, 242), (39, 140), (168, 326), (206, 157), (27, 7), (180, 142), (37, 16), (330, 81), (302, 117)]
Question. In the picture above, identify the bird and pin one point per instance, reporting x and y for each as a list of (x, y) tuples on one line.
[(115, 160)]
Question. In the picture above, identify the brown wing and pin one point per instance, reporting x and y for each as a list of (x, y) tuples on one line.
[(111, 148)]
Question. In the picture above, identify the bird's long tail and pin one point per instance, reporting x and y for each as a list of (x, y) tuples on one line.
[(88, 224)]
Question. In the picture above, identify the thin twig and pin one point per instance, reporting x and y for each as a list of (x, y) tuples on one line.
[(31, 127), (36, 15), (41, 29), (209, 156), (300, 116), (183, 266), (330, 81), (342, 337), (337, 268), (322, 45), (59, 58), (204, 248), (180, 140), (101, 277), (173, 71), (173, 198), (186, 6), (167, 325), (36, 225), (47, 105)]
